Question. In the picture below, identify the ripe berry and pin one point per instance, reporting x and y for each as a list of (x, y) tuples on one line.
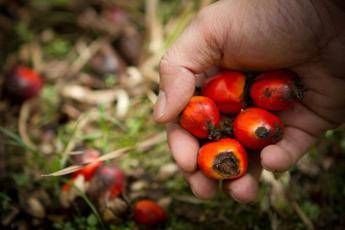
[(148, 212), (111, 180), (200, 116), (276, 90), (90, 169), (256, 128), (223, 159), (226, 89), (66, 187), (23, 83)]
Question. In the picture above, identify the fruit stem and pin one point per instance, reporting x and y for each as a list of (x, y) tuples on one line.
[(277, 135), (223, 130), (299, 89)]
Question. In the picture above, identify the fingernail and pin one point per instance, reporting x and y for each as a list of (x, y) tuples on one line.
[(159, 109), (194, 192)]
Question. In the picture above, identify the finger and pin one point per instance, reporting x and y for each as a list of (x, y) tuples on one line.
[(245, 189), (306, 120), (283, 155), (302, 129), (194, 52), (324, 91), (202, 186), (184, 147)]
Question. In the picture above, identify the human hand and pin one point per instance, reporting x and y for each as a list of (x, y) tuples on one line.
[(307, 37)]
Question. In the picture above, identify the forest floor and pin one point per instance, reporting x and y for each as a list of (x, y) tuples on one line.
[(99, 63)]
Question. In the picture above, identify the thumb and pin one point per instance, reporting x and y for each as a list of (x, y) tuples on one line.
[(194, 52)]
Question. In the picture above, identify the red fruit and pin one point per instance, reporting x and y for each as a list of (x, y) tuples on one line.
[(66, 187), (23, 83), (148, 212), (200, 116), (276, 90), (90, 169), (111, 180), (256, 128), (223, 159), (226, 89)]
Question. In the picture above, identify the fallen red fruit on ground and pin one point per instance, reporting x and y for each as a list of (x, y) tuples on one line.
[(111, 180), (89, 156), (148, 212), (23, 83)]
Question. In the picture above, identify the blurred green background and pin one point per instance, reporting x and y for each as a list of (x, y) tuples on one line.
[(99, 62)]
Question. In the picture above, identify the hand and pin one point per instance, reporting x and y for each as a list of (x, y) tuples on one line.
[(307, 37)]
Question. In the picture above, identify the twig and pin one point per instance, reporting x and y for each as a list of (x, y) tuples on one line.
[(81, 58), (151, 96), (86, 53), (148, 67), (115, 154), (80, 123), (141, 146), (154, 26), (308, 223), (148, 143), (85, 95), (36, 56), (65, 171), (22, 123), (122, 103), (189, 199)]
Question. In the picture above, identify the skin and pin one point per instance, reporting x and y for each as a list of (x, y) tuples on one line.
[(307, 37)]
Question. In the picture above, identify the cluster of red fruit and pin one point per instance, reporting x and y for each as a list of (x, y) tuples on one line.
[(111, 178), (111, 183), (233, 113), (23, 83)]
